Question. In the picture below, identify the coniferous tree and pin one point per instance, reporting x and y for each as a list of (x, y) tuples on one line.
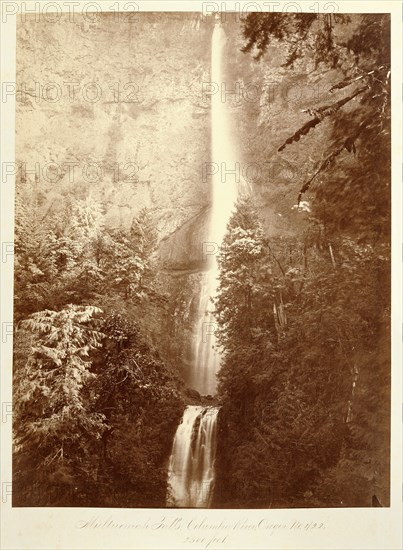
[(55, 425)]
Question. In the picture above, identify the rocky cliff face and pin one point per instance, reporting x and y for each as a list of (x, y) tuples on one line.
[(114, 109)]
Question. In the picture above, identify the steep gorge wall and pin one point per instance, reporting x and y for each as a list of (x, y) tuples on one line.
[(123, 101)]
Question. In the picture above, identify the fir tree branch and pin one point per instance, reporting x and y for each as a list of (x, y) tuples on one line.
[(276, 259), (347, 81), (320, 114)]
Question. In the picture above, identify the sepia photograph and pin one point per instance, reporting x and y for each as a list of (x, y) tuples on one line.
[(202, 264), (202, 261)]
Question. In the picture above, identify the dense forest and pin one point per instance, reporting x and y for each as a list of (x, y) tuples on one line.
[(305, 321), (303, 318)]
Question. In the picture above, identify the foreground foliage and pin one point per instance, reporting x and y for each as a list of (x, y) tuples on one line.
[(95, 407), (95, 412)]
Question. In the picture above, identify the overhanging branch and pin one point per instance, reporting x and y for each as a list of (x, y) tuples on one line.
[(320, 114)]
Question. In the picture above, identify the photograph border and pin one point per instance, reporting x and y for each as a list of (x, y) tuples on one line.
[(86, 528)]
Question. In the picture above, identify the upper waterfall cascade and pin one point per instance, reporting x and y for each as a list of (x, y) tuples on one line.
[(225, 186)]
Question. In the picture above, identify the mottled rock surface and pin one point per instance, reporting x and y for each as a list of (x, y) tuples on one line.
[(114, 108)]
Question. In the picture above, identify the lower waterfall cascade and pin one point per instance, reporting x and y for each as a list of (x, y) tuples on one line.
[(191, 466)]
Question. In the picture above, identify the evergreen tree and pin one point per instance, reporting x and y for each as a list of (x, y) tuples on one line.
[(35, 265), (243, 295), (355, 197), (55, 426), (301, 408)]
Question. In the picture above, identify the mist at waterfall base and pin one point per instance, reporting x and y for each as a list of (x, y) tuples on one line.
[(191, 465)]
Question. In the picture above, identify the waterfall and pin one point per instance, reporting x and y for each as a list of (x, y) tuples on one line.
[(225, 187), (191, 465)]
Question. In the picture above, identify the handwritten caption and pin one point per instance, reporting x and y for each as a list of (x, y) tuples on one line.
[(201, 531)]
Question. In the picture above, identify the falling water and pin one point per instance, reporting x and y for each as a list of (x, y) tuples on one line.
[(191, 466), (225, 188)]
